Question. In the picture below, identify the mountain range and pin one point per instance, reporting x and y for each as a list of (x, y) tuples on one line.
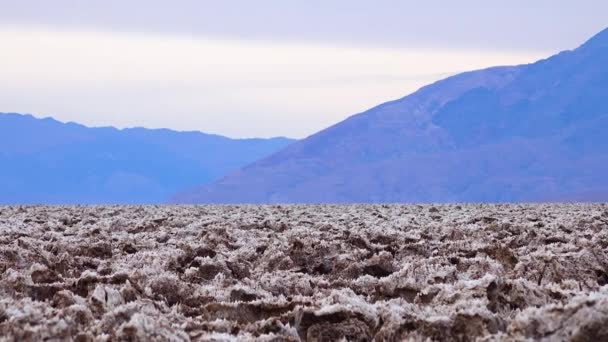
[(530, 132), (50, 162)]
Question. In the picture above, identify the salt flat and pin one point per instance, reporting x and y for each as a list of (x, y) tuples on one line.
[(326, 272)]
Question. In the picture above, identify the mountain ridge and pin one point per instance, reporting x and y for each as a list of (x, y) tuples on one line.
[(48, 161), (131, 128), (443, 142)]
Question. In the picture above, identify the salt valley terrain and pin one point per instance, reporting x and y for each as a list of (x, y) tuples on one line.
[(536, 132), (47, 161), (317, 273)]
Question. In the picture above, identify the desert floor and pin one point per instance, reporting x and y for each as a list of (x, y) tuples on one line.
[(317, 273)]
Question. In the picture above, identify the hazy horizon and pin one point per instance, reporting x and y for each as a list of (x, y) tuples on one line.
[(244, 70)]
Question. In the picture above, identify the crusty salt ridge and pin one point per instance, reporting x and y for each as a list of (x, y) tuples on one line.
[(357, 272)]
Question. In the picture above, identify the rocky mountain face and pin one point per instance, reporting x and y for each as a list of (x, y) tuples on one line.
[(519, 133), (46, 161)]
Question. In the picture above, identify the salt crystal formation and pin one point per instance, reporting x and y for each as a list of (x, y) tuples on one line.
[(315, 273)]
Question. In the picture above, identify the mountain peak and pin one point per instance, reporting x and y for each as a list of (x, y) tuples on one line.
[(600, 40)]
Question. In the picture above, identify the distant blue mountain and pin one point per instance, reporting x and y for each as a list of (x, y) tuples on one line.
[(46, 161), (519, 133)]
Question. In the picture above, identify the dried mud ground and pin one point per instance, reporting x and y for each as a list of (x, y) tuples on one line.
[(316, 273)]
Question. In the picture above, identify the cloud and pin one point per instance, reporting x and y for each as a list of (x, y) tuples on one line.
[(232, 87), (513, 25)]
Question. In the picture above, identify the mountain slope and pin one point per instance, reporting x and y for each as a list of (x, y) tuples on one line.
[(46, 161), (502, 134)]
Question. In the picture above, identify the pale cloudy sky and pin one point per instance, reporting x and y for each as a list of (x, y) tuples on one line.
[(260, 68)]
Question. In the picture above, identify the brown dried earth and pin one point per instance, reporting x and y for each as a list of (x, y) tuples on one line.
[(315, 273)]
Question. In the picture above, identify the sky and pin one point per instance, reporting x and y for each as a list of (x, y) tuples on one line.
[(260, 68)]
